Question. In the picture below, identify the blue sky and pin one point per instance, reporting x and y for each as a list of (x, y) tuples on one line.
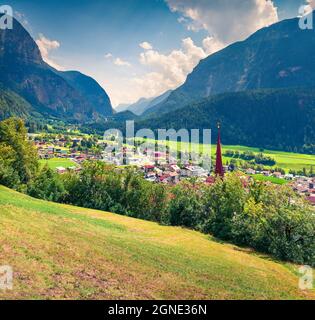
[(136, 48)]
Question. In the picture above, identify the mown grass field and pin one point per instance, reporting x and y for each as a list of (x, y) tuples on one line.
[(261, 177), (64, 252), (58, 162), (285, 160)]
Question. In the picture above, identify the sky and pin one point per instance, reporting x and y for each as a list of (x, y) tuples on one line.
[(142, 48)]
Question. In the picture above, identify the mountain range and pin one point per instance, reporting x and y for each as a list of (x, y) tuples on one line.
[(262, 89), (282, 119), (144, 104), (41, 89), (278, 56)]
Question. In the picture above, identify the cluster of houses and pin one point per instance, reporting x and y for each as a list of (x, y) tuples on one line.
[(270, 173), (172, 173), (159, 167), (57, 149), (136, 157), (305, 187), (156, 166)]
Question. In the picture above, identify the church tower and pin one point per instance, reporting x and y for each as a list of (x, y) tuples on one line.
[(219, 171)]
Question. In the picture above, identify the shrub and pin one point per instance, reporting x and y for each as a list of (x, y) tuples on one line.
[(186, 206), (47, 186), (248, 226), (225, 199), (291, 234)]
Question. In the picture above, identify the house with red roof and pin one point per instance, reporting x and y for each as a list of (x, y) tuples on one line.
[(311, 200)]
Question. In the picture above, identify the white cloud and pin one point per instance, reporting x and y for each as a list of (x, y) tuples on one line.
[(150, 85), (146, 45), (117, 61), (121, 63), (311, 3), (212, 45), (226, 20), (168, 71), (308, 7), (46, 46)]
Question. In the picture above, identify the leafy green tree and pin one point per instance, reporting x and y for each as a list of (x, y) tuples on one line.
[(291, 234), (225, 199), (157, 201), (248, 227), (285, 226), (47, 186), (8, 176), (186, 206), (13, 134), (97, 186)]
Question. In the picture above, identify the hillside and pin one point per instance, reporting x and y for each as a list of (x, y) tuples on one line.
[(12, 104), (66, 95), (65, 252), (144, 104), (90, 90), (121, 107), (278, 56), (281, 119), (140, 106)]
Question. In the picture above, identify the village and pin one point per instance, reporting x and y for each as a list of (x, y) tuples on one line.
[(156, 166)]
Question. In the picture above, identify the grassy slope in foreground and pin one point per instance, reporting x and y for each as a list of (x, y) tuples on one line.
[(60, 251)]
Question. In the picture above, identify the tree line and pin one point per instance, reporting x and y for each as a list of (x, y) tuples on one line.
[(259, 158)]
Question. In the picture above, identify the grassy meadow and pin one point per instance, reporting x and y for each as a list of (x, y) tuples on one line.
[(65, 252), (58, 162), (261, 177), (285, 160)]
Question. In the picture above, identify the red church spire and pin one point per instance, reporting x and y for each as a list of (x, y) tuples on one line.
[(219, 171)]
